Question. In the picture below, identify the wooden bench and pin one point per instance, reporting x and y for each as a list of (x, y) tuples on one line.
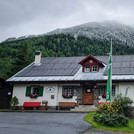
[(31, 104), (66, 104)]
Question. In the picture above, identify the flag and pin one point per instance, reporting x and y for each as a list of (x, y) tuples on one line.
[(109, 81)]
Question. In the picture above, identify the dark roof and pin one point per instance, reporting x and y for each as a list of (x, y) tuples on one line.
[(55, 66), (122, 65), (68, 66)]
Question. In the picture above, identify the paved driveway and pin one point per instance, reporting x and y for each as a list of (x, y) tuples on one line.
[(42, 123)]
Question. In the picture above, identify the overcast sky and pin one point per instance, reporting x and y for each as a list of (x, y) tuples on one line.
[(32, 17)]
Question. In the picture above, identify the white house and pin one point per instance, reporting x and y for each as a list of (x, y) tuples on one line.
[(73, 79)]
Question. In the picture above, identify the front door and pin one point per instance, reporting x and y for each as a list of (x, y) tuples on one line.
[(88, 95)]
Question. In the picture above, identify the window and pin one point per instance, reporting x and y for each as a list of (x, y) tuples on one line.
[(88, 90), (102, 90), (86, 68), (69, 91), (113, 90), (34, 91), (76, 90), (94, 68)]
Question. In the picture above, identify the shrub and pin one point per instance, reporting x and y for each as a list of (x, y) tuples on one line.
[(120, 105), (108, 108), (14, 101), (111, 120), (124, 104)]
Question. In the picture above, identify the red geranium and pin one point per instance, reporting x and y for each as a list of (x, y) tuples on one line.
[(103, 95)]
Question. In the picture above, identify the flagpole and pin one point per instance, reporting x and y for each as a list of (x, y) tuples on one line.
[(111, 70), (109, 80)]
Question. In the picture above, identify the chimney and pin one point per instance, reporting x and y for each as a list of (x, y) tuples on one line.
[(37, 61)]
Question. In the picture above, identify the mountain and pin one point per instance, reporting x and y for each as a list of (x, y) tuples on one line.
[(82, 40), (101, 30)]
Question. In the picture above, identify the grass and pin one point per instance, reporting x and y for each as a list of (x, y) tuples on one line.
[(1, 110), (129, 128)]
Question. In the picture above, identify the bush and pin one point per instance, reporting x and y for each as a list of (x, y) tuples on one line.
[(120, 105), (124, 104), (14, 101), (108, 108), (114, 114), (111, 120)]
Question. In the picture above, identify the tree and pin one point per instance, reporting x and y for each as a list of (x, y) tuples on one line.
[(22, 59)]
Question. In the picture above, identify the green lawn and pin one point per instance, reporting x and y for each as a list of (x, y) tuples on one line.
[(1, 110), (129, 128)]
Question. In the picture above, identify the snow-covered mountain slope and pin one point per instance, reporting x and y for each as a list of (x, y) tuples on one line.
[(101, 30)]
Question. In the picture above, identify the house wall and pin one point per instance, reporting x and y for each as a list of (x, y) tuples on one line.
[(127, 89), (20, 92)]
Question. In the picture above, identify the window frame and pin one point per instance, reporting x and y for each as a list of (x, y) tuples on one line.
[(30, 91), (94, 68), (35, 90), (86, 68), (70, 90), (113, 90), (103, 88)]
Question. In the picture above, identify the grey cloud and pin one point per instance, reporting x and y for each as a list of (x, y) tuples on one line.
[(22, 17)]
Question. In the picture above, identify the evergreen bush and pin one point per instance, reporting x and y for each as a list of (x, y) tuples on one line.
[(124, 105), (111, 120), (14, 101)]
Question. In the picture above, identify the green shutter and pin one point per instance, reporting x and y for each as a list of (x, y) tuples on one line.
[(40, 91), (28, 91)]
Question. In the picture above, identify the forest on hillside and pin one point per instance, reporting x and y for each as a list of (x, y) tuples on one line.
[(15, 55)]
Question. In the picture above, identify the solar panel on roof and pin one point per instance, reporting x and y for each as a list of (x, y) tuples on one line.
[(116, 71), (132, 70), (124, 70), (127, 58), (116, 64), (72, 66), (118, 58), (125, 64), (132, 58), (56, 66), (132, 64)]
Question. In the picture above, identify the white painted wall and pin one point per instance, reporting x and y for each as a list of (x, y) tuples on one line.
[(129, 87), (19, 91)]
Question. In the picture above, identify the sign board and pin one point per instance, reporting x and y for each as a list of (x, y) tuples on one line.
[(50, 90)]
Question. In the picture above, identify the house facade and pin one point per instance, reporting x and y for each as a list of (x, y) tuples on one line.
[(73, 79)]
